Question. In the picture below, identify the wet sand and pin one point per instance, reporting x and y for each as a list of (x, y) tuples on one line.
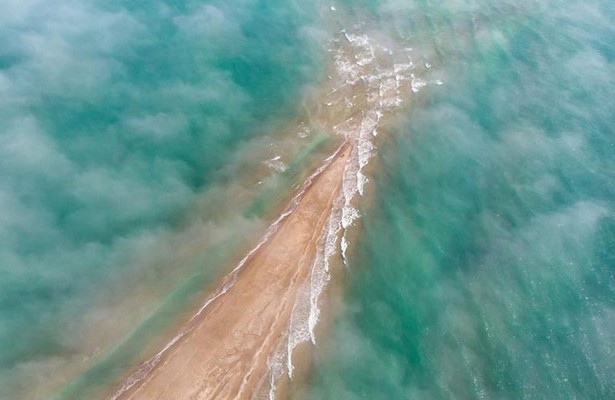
[(241, 344), (225, 355)]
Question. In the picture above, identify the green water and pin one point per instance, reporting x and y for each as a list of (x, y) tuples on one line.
[(115, 116), (486, 264)]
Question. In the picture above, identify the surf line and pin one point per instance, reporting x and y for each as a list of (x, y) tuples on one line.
[(228, 281)]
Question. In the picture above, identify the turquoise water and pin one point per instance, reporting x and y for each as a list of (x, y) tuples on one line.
[(486, 264), (114, 117)]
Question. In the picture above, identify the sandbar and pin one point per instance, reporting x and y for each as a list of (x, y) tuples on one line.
[(225, 355)]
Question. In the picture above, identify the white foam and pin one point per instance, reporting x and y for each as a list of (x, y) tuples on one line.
[(382, 81), (389, 92), (349, 72), (400, 69), (361, 182), (344, 246), (306, 310), (349, 215), (298, 330), (417, 84), (369, 122), (275, 364), (320, 274), (229, 282), (365, 148), (349, 183)]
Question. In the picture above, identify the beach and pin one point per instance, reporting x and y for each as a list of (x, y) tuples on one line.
[(241, 343), (245, 323), (380, 199), (227, 352)]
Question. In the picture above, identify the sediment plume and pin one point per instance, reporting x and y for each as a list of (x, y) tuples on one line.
[(226, 354), (240, 343)]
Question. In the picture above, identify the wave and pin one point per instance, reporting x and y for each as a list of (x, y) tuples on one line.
[(370, 84), (146, 367)]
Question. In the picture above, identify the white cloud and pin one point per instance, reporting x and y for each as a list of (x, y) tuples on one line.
[(208, 22), (26, 148), (157, 127)]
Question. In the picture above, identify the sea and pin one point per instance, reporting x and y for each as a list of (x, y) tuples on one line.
[(145, 146)]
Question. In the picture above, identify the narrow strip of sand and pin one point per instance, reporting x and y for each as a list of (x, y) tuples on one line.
[(225, 356), (249, 322)]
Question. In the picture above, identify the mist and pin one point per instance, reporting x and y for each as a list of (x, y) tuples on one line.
[(114, 118)]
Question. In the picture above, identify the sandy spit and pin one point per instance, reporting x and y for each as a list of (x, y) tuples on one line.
[(225, 355)]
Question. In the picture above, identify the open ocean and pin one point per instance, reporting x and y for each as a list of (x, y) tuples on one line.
[(145, 145)]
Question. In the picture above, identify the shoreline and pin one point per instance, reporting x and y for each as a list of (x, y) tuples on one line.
[(235, 338), (241, 343)]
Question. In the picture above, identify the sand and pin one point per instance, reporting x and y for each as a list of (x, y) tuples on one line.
[(225, 355), (227, 350)]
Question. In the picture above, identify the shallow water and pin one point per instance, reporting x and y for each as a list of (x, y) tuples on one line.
[(132, 137), (143, 147), (485, 267)]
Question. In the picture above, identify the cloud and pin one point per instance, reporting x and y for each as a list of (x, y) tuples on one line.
[(212, 25), (113, 120), (23, 146)]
